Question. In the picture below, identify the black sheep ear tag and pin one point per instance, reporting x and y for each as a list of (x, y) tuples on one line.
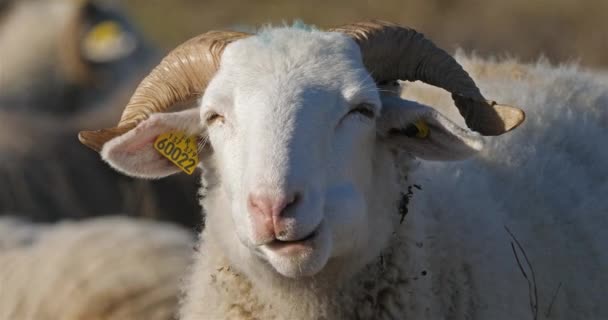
[(107, 41), (179, 148), (418, 129)]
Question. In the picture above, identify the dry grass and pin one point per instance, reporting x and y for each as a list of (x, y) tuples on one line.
[(563, 30)]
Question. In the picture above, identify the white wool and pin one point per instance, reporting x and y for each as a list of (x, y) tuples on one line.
[(452, 257), (546, 182), (280, 124), (104, 268)]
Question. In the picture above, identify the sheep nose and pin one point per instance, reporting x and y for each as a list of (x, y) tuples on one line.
[(267, 212)]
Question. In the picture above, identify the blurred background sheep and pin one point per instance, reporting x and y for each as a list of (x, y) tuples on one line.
[(64, 56), (103, 268), (64, 65)]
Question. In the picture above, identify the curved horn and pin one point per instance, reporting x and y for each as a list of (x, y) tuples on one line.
[(181, 76), (393, 52)]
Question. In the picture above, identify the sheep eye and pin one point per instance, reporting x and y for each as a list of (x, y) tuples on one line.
[(364, 110), (213, 118)]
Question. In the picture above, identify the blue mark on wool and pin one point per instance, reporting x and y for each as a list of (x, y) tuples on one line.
[(266, 34), (265, 37), (300, 25)]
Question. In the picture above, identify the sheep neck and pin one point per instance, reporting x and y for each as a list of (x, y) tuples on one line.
[(377, 287), (375, 292)]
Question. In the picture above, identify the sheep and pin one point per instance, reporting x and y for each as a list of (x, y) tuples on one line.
[(565, 97), (302, 160), (563, 239), (546, 183), (38, 151), (48, 94), (63, 56), (102, 268)]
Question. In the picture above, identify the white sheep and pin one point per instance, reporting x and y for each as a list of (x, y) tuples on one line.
[(304, 162), (103, 268), (546, 182)]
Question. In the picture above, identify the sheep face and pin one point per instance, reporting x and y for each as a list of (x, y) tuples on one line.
[(299, 151), (292, 145)]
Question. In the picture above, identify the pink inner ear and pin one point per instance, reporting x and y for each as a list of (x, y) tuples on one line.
[(133, 153), (143, 136), (143, 143)]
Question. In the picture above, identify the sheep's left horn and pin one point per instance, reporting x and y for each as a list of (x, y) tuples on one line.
[(181, 76), (393, 52)]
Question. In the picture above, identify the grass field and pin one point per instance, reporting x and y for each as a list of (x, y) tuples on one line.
[(562, 30)]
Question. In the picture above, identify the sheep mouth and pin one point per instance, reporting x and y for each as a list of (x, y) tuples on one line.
[(293, 245), (305, 238)]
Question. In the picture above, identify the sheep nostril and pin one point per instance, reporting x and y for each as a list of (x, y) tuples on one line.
[(273, 213), (292, 202)]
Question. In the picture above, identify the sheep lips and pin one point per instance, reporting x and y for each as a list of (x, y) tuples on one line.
[(293, 247)]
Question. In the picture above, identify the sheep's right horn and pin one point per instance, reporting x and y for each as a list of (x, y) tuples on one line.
[(181, 76), (393, 52)]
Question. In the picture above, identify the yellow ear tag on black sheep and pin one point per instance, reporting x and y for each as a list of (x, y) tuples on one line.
[(107, 41)]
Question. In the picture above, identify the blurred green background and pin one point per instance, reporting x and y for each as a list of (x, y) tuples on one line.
[(561, 30)]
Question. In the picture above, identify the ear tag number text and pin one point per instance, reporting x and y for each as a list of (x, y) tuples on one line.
[(179, 148)]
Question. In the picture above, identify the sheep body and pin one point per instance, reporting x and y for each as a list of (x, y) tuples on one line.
[(452, 257), (545, 182), (308, 175), (103, 268)]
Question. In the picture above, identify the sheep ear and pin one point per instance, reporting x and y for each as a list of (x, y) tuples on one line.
[(424, 132), (133, 152)]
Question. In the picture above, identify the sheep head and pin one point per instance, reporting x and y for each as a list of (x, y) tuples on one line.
[(298, 138)]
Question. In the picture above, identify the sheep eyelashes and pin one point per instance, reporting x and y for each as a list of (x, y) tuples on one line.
[(295, 167)]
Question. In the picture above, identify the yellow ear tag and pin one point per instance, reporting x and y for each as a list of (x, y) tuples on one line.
[(423, 129), (179, 148), (107, 41), (105, 31)]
